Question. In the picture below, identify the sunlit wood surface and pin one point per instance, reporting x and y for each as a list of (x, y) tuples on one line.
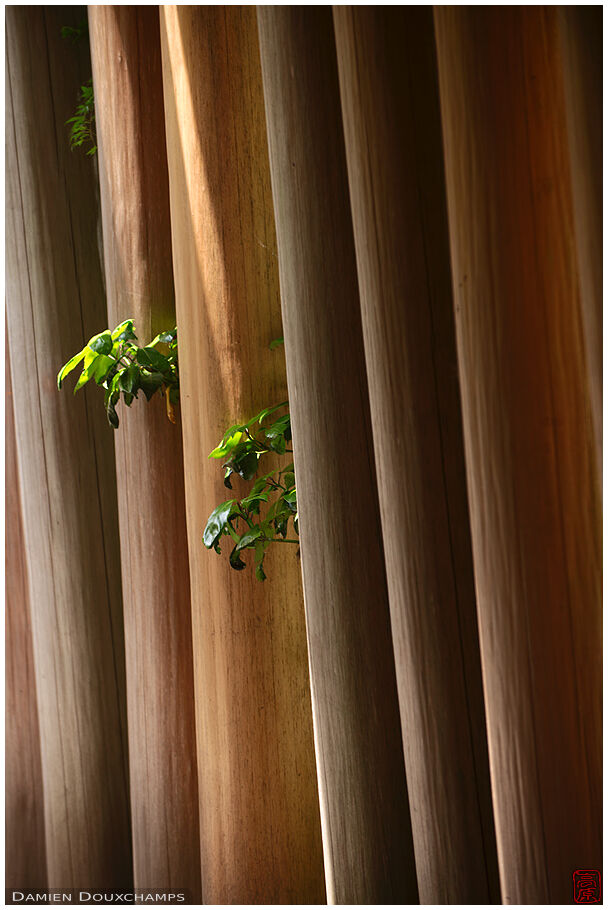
[(125, 48), (260, 830)]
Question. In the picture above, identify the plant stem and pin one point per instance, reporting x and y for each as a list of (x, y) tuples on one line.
[(281, 540)]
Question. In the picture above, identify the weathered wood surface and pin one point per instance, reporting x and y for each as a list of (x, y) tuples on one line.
[(127, 70), (390, 102), (24, 812), (581, 42), (260, 829), (534, 499), (65, 457), (366, 825)]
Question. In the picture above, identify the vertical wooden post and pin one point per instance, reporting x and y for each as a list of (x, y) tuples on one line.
[(66, 461), (533, 492), (581, 43), (367, 833), (388, 79), (260, 830), (127, 70), (25, 846)]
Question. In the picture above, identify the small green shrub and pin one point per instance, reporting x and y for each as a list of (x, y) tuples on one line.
[(82, 129), (82, 124), (262, 517), (120, 365)]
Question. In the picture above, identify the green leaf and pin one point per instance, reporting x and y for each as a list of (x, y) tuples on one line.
[(163, 338), (216, 523), (277, 444), (112, 415), (153, 359), (124, 332), (279, 427), (230, 439), (260, 550), (235, 560), (150, 383), (102, 343), (102, 365), (129, 378), (276, 343), (262, 482), (67, 368), (90, 363), (259, 418), (254, 498), (249, 537), (245, 463)]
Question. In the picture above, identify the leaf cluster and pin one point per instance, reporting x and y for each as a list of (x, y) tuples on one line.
[(76, 33), (117, 363), (82, 124), (262, 517)]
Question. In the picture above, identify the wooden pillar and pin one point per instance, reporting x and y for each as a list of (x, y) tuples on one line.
[(367, 833), (65, 457), (534, 498), (127, 70), (581, 43), (25, 846), (260, 830), (390, 100)]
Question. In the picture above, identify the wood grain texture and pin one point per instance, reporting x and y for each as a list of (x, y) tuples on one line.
[(260, 829), (581, 43), (390, 102), (127, 70), (66, 461), (530, 452), (366, 825), (25, 864)]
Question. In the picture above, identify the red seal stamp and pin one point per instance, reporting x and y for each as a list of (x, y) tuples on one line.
[(587, 886)]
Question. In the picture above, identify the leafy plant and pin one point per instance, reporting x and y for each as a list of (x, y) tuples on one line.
[(82, 129), (262, 517), (76, 33), (118, 363)]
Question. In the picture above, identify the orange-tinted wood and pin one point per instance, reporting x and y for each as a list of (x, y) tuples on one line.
[(260, 830), (127, 70), (529, 441)]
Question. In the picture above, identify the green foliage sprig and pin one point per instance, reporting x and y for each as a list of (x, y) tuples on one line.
[(82, 124), (120, 365), (262, 517), (76, 33), (82, 129)]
